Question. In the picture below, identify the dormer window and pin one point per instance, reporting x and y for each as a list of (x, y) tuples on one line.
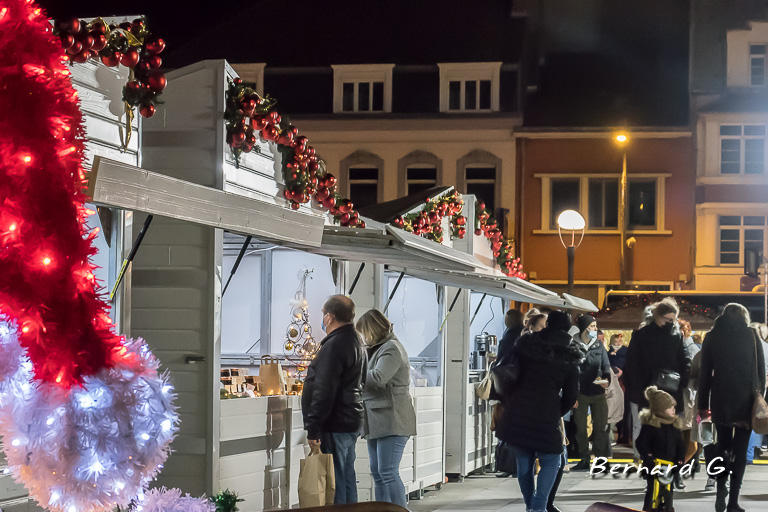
[(757, 54), (362, 88), (469, 87)]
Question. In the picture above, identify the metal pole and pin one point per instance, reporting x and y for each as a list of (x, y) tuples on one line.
[(131, 255), (571, 258), (623, 221), (357, 277), (392, 295), (450, 309), (237, 262), (478, 308)]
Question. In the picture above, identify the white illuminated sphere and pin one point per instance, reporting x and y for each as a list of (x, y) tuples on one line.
[(571, 220)]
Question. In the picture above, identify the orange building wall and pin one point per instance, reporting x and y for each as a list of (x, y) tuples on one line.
[(654, 257)]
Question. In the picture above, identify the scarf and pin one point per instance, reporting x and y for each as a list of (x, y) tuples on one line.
[(647, 417)]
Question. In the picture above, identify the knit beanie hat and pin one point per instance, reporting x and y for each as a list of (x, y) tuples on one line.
[(659, 400), (584, 321)]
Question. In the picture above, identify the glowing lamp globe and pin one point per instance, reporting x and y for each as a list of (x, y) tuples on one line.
[(621, 138), (571, 220)]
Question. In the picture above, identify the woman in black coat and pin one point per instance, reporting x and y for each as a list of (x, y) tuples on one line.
[(732, 371), (545, 388)]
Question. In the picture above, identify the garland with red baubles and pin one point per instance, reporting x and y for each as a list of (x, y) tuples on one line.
[(249, 116), (503, 248), (428, 222), (129, 44)]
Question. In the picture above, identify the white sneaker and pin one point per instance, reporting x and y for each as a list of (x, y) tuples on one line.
[(710, 484)]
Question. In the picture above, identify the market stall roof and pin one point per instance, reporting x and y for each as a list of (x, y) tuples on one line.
[(379, 243), (387, 211), (487, 280), (124, 186)]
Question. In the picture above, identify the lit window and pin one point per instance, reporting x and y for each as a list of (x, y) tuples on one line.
[(641, 204)]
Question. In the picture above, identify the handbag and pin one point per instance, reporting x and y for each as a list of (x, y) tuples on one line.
[(666, 380), (317, 480), (505, 376), (483, 390), (506, 462), (759, 407)]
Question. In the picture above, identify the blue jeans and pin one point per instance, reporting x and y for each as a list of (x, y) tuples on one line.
[(755, 441), (342, 447), (385, 454), (536, 496)]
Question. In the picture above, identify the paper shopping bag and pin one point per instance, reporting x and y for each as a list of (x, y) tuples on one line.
[(317, 481), (271, 378)]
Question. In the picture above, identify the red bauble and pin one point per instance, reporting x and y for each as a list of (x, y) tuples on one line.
[(99, 41), (460, 221), (329, 202), (303, 198), (147, 110), (353, 222), (344, 217), (238, 138), (141, 67), (481, 205), (462, 232), (270, 133), (433, 217), (258, 123), (313, 182), (322, 194), (76, 48), (346, 206), (330, 180), (111, 60), (237, 81), (82, 57), (288, 194), (295, 206), (67, 40), (72, 25), (156, 46), (86, 41), (155, 61), (130, 58), (250, 139), (274, 117), (157, 81), (133, 85)]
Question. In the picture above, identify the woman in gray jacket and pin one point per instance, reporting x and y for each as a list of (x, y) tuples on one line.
[(389, 415)]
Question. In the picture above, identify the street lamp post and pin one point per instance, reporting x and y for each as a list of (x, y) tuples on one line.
[(621, 141), (571, 220)]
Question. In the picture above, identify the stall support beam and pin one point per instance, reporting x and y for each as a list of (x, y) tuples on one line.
[(131, 255), (478, 308), (394, 290), (356, 279), (237, 262), (450, 308)]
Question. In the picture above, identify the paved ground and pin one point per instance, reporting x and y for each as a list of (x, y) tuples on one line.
[(578, 491)]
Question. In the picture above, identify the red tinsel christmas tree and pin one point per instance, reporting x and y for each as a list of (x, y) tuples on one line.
[(47, 286)]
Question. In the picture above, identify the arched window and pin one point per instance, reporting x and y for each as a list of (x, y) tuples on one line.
[(417, 171), (360, 178), (479, 175)]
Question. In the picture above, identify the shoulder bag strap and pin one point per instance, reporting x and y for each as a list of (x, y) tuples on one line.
[(757, 377)]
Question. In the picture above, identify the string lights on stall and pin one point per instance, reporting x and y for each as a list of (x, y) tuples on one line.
[(300, 345), (644, 300)]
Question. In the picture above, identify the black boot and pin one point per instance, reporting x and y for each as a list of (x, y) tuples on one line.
[(583, 465), (733, 499), (677, 482), (722, 495)]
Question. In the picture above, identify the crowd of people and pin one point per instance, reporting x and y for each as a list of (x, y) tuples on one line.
[(560, 388), (683, 397)]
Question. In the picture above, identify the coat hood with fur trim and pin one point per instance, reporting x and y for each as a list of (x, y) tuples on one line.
[(550, 345)]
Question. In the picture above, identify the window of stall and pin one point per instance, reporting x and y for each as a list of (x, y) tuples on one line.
[(489, 318), (415, 313)]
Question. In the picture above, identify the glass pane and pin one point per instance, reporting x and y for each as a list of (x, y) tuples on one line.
[(418, 187), (729, 258), (754, 129), (603, 203), (757, 76), (485, 192), (753, 235), (754, 156), (419, 173), (454, 95), (730, 220), (729, 246), (378, 96), (470, 95), (729, 234), (596, 206), (754, 221), (363, 96), (755, 246), (485, 94), (363, 173), (641, 204), (348, 89), (730, 156), (565, 196), (363, 194), (757, 49), (481, 173), (727, 129), (612, 204), (241, 314)]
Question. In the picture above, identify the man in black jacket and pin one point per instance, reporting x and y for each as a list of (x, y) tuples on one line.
[(332, 399)]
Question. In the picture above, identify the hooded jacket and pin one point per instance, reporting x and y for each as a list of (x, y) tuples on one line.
[(729, 374), (545, 391), (594, 365), (651, 349), (332, 399)]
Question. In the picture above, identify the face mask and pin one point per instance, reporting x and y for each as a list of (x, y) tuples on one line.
[(322, 323), (668, 327), (592, 335)]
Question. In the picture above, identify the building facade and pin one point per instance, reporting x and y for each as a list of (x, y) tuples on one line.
[(731, 116), (562, 169)]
